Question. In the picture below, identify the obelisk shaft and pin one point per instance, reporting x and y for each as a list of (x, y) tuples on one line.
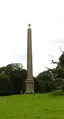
[(29, 55), (29, 81)]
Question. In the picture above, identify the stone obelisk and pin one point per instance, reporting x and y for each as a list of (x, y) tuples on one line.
[(29, 80)]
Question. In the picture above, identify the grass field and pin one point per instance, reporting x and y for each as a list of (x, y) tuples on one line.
[(36, 106)]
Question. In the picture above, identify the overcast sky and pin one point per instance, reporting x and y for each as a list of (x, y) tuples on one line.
[(47, 23)]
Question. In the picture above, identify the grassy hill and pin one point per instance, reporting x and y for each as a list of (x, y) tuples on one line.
[(36, 106)]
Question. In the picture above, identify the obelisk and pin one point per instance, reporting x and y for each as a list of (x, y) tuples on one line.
[(29, 80)]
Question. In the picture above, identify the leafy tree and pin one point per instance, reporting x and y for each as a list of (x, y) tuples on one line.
[(45, 82), (18, 79), (2, 69), (6, 87), (17, 76), (61, 61), (13, 67), (58, 72)]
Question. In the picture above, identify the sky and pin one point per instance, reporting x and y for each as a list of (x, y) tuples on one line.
[(47, 22)]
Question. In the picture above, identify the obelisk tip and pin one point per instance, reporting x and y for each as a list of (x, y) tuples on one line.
[(29, 25)]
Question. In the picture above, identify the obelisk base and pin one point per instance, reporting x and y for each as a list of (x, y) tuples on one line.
[(29, 86)]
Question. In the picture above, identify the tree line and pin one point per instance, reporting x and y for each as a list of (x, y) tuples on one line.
[(13, 78)]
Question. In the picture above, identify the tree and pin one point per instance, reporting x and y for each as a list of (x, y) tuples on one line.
[(6, 87), (17, 76), (13, 67), (18, 79), (45, 82), (58, 72)]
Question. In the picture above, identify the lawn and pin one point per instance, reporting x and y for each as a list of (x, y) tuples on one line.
[(32, 106)]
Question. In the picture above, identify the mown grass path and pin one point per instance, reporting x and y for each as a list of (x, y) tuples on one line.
[(32, 106)]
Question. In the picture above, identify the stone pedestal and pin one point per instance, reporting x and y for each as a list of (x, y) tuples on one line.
[(30, 86)]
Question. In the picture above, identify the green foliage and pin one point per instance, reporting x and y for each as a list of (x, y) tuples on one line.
[(51, 79), (17, 76), (2, 69), (62, 87), (36, 85), (44, 82), (18, 79), (61, 60), (58, 72), (13, 67), (57, 93), (6, 87)]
